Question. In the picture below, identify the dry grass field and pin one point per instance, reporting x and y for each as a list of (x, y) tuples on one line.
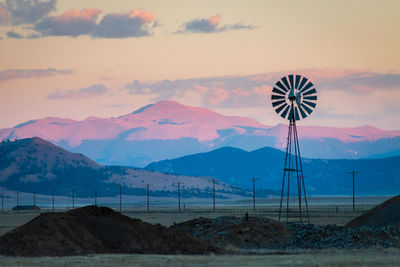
[(325, 213), (386, 257)]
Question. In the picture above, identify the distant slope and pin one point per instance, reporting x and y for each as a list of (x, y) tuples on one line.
[(35, 165), (383, 215), (168, 129), (235, 166)]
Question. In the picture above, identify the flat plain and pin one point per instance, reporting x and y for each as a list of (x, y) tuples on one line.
[(322, 213)]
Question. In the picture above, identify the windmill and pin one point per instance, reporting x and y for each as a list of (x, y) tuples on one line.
[(293, 98)]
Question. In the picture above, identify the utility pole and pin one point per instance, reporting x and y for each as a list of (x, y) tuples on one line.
[(52, 199), (353, 172), (34, 198), (73, 200), (148, 198), (213, 192), (2, 201), (254, 191), (95, 197), (179, 195), (120, 198), (17, 198)]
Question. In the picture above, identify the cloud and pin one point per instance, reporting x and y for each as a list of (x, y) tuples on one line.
[(135, 23), (16, 12), (14, 35), (210, 25), (71, 23), (254, 90), (363, 82), (91, 91), (13, 74)]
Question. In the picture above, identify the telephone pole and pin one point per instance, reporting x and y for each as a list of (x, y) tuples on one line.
[(120, 198), (95, 197), (148, 197), (52, 198), (254, 191), (179, 195), (213, 192), (34, 198), (353, 172), (73, 198)]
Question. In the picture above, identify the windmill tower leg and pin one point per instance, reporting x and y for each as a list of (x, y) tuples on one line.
[(293, 165)]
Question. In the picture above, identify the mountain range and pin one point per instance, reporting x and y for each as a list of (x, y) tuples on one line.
[(35, 165), (168, 129), (322, 177)]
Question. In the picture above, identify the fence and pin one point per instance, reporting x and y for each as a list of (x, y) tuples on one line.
[(147, 203)]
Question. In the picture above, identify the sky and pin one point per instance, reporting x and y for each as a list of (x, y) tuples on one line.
[(81, 58)]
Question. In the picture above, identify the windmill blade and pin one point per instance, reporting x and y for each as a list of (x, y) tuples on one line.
[(277, 103), (309, 85), (285, 81), (306, 108), (296, 114), (280, 108), (298, 77), (310, 92), (276, 90), (303, 114), (277, 97), (314, 97), (280, 85), (302, 83), (291, 81), (283, 115), (309, 103)]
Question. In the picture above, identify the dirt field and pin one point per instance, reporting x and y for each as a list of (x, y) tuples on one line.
[(318, 215), (323, 210), (324, 213), (386, 257)]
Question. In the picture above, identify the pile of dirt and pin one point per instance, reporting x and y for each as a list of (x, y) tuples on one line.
[(93, 230), (235, 232), (385, 214)]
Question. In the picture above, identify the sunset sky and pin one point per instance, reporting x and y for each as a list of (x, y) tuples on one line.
[(80, 58)]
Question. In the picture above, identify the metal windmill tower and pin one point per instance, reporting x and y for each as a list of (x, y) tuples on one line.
[(293, 98)]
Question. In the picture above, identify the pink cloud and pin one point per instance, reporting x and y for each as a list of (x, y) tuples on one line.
[(145, 16), (262, 90), (5, 15), (214, 19), (73, 13), (241, 92), (200, 89), (218, 95)]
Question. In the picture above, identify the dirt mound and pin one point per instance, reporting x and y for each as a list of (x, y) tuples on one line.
[(385, 214), (91, 230), (238, 232)]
